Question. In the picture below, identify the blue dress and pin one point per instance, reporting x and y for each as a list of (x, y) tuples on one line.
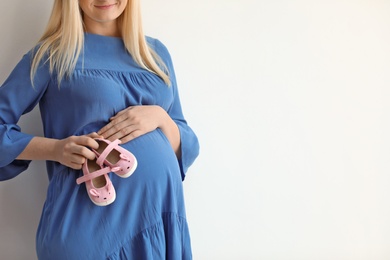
[(147, 220)]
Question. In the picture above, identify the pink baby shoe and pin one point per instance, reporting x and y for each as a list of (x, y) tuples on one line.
[(122, 162), (99, 187)]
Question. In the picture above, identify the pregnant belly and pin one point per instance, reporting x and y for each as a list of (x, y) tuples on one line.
[(153, 152), (157, 171)]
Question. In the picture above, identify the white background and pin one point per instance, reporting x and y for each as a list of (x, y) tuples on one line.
[(290, 101)]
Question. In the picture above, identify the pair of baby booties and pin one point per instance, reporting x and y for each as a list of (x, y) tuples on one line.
[(110, 157)]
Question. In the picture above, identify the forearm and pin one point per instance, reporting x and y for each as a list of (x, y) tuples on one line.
[(71, 151), (171, 131), (39, 148)]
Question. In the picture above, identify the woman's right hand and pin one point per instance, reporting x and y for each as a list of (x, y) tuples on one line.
[(74, 150), (71, 152)]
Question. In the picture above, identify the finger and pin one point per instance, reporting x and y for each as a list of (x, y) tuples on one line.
[(108, 129), (122, 133), (104, 129), (121, 113), (131, 136), (77, 159), (119, 130), (78, 150), (87, 141), (118, 118), (94, 135), (75, 166), (86, 153)]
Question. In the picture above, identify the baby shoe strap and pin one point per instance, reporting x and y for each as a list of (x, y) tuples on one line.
[(93, 175), (111, 146)]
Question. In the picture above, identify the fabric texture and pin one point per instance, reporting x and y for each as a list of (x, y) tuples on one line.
[(147, 220)]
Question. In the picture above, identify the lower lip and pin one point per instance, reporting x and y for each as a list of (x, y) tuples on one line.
[(105, 7)]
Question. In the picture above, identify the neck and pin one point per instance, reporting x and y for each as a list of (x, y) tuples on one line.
[(102, 28)]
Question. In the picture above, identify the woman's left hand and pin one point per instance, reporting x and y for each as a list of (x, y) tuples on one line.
[(133, 122)]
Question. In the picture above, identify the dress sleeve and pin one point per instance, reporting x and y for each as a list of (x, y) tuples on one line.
[(17, 97), (189, 140)]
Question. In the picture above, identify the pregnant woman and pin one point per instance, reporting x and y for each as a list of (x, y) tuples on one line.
[(98, 79)]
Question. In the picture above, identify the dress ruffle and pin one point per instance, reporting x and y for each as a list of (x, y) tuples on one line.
[(167, 239)]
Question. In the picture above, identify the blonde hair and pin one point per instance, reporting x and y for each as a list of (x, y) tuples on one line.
[(63, 40)]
